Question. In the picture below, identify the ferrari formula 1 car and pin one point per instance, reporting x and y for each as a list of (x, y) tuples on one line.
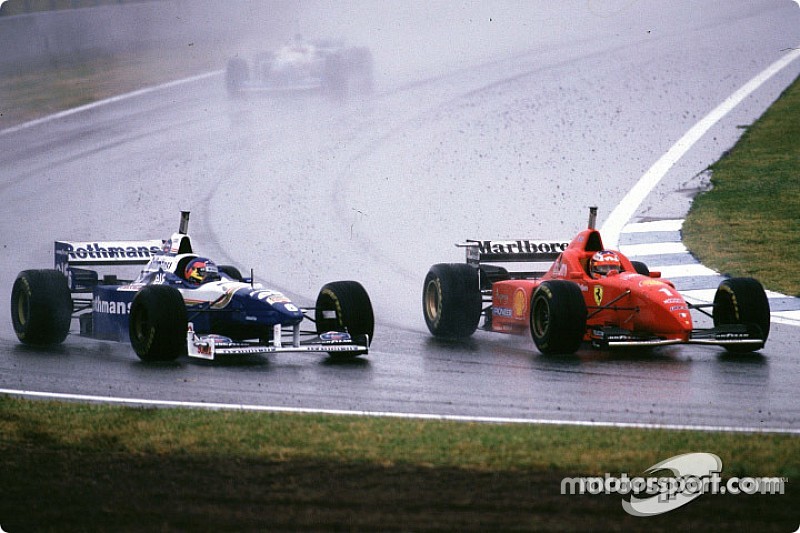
[(565, 293), (181, 303), (303, 66)]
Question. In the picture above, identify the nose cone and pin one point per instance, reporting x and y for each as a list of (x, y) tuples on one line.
[(288, 310), (273, 307), (663, 309)]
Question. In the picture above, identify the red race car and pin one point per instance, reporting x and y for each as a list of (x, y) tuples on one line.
[(568, 293)]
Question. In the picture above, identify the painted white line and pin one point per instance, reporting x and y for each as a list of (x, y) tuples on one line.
[(384, 414), (99, 103), (789, 318), (683, 271), (699, 296), (626, 208), (653, 225), (656, 248)]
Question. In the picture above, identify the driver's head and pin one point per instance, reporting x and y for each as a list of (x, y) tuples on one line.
[(201, 270), (604, 262)]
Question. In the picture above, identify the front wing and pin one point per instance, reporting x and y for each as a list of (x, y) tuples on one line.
[(210, 347), (729, 335)]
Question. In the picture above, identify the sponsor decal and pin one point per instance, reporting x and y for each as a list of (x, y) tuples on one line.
[(673, 301), (274, 298), (335, 336), (519, 247), (520, 304), (650, 283), (161, 263), (110, 307), (109, 251), (678, 308), (502, 311), (724, 336), (598, 294)]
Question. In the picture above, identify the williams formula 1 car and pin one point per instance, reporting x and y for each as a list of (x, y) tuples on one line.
[(181, 303), (303, 66), (567, 293)]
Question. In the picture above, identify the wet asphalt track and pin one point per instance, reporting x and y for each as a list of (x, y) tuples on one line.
[(305, 191)]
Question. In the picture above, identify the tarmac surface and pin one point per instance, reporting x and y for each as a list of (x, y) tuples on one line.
[(511, 142)]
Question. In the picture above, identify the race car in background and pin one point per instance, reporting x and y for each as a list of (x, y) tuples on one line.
[(566, 293), (325, 66), (181, 304)]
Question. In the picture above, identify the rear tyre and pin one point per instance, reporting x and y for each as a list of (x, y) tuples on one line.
[(236, 75), (158, 323), (558, 317), (41, 307), (742, 301), (345, 306), (361, 71), (451, 300), (640, 268), (232, 272), (336, 77)]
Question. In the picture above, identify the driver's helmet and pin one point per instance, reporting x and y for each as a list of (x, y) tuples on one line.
[(201, 270), (604, 262)]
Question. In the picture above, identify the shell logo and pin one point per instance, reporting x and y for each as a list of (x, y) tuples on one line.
[(520, 303)]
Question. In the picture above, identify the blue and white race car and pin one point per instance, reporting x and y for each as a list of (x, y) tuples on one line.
[(181, 303), (322, 66)]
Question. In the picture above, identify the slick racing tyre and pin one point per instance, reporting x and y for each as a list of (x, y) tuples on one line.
[(232, 272), (158, 323), (451, 300), (742, 301), (41, 307), (236, 75), (360, 69), (335, 77), (640, 268), (344, 306), (558, 317)]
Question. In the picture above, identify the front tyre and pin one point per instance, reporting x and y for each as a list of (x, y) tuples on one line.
[(451, 300), (742, 301), (344, 306), (558, 317), (158, 323), (41, 307)]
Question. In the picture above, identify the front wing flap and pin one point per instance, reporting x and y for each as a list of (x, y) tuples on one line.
[(727, 335), (210, 347)]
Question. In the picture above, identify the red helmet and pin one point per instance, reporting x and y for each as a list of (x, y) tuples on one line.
[(201, 270), (604, 262)]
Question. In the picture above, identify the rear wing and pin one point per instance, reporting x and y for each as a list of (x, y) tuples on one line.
[(522, 258), (70, 255)]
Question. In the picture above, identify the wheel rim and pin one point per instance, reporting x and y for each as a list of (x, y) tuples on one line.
[(141, 326), (541, 317), (432, 300), (23, 308)]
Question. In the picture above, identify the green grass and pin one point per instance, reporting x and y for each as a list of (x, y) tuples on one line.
[(46, 89), (69, 466), (385, 441), (748, 224)]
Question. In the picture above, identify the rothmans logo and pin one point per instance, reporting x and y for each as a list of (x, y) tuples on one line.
[(107, 251), (109, 307)]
